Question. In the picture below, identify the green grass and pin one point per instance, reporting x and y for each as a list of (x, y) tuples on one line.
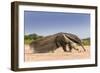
[(27, 41), (86, 42)]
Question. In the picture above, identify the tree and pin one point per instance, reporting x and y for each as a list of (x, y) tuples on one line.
[(33, 36)]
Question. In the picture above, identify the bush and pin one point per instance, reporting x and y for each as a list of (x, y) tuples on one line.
[(86, 41), (31, 37)]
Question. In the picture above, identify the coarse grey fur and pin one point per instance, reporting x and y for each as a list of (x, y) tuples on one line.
[(44, 45), (52, 42)]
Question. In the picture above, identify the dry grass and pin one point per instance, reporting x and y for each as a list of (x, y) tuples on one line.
[(57, 55)]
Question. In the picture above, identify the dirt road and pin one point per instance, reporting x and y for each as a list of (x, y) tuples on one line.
[(57, 55)]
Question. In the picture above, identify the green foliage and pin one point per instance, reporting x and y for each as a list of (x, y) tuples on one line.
[(86, 41), (31, 37), (27, 41)]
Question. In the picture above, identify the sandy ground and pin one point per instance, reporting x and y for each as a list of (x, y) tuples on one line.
[(59, 54)]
